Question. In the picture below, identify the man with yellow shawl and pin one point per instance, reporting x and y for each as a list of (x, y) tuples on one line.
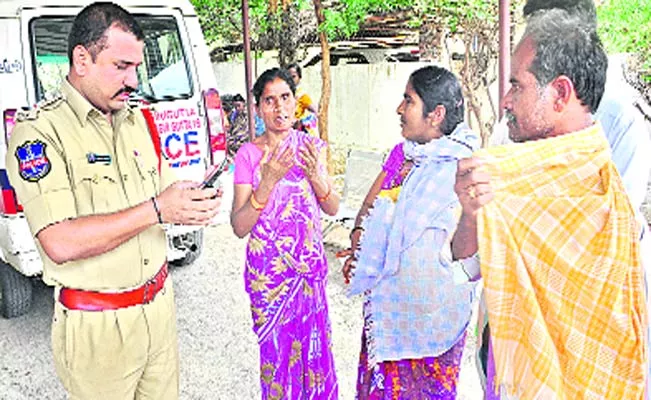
[(556, 234)]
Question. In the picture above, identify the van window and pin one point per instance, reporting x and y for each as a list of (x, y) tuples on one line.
[(163, 75)]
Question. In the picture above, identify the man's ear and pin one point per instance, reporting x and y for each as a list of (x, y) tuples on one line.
[(437, 115), (563, 90), (81, 58)]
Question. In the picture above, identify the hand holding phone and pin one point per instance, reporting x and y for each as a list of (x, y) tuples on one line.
[(212, 179)]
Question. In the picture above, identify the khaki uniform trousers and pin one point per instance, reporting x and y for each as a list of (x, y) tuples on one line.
[(130, 353)]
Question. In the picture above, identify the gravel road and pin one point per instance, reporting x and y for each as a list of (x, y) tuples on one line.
[(219, 355)]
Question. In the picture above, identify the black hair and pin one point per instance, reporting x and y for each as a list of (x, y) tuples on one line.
[(297, 68), (238, 97), (566, 46), (586, 9), (438, 86), (269, 76), (227, 102), (90, 26)]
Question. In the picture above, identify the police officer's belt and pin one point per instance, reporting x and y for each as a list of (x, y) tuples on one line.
[(87, 300)]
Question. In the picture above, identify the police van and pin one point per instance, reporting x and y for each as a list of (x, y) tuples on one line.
[(177, 85)]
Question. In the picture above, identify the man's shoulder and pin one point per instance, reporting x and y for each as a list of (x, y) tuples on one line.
[(39, 122), (612, 105), (41, 109), (618, 116)]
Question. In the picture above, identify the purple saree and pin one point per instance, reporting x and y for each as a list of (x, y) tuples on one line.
[(285, 276)]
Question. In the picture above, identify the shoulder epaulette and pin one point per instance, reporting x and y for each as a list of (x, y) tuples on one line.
[(50, 102), (45, 104), (27, 114)]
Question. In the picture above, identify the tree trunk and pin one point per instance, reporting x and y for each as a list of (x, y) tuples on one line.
[(467, 82), (288, 35), (324, 102)]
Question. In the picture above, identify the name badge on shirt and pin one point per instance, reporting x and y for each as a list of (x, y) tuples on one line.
[(98, 158)]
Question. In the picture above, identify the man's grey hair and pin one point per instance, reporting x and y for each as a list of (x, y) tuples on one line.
[(566, 45)]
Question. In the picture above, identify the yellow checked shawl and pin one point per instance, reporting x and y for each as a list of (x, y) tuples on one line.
[(563, 282)]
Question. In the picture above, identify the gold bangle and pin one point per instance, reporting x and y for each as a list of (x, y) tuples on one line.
[(327, 195), (257, 206)]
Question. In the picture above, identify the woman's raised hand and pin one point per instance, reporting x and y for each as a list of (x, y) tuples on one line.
[(310, 160), (275, 164)]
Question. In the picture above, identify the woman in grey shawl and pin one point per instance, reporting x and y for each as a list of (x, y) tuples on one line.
[(418, 302)]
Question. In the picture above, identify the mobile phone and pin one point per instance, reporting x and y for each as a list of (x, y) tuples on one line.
[(211, 179)]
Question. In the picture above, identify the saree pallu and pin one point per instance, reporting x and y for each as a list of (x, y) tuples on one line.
[(559, 255), (285, 277)]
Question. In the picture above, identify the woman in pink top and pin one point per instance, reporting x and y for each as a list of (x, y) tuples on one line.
[(281, 187)]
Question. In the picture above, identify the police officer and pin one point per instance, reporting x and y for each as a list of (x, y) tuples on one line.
[(94, 194)]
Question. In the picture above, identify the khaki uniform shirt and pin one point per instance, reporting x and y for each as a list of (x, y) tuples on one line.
[(94, 168)]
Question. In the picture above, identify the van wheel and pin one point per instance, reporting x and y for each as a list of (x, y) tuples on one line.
[(193, 243), (15, 292)]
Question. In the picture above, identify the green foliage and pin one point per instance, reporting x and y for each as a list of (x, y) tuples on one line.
[(625, 26), (221, 20), (344, 20)]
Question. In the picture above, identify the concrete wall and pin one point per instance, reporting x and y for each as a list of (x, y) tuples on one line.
[(365, 97), (363, 101)]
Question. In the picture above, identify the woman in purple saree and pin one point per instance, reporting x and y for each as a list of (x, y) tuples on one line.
[(281, 186)]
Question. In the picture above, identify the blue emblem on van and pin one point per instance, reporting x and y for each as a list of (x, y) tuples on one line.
[(33, 163)]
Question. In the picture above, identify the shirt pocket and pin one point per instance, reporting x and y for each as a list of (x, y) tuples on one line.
[(97, 188)]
